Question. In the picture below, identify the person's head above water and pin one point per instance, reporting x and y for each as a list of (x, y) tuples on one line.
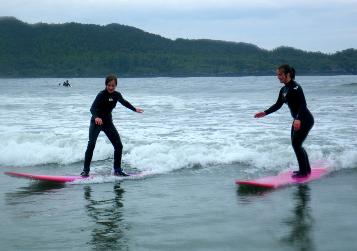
[(111, 83), (285, 73)]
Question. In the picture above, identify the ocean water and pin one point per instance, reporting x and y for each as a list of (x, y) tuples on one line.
[(196, 136)]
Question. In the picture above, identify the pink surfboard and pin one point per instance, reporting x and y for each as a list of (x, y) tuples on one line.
[(283, 179), (62, 179)]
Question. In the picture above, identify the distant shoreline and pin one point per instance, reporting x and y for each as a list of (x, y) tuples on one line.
[(162, 76), (80, 50)]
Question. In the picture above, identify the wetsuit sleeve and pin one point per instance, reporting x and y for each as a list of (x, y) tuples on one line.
[(301, 101), (95, 106), (125, 103), (279, 103)]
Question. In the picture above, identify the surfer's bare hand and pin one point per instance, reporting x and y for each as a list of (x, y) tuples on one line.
[(259, 115), (98, 121), (297, 124), (139, 110)]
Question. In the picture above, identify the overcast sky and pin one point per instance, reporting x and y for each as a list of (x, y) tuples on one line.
[(313, 25)]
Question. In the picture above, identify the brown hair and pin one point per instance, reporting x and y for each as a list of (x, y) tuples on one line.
[(287, 69), (111, 78)]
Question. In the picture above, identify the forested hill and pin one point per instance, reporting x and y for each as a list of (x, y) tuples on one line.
[(86, 50)]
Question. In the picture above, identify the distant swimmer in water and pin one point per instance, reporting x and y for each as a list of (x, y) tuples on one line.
[(66, 84), (101, 120), (292, 94)]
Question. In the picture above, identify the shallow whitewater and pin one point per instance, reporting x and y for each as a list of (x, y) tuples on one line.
[(196, 137), (187, 122)]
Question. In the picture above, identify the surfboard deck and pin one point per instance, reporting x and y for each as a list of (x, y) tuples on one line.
[(283, 179), (65, 178)]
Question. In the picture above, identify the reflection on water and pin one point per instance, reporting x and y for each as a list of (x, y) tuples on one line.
[(252, 190), (109, 230), (38, 187), (247, 194), (301, 222)]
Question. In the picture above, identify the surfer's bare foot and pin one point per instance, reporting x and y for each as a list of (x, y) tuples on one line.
[(85, 174)]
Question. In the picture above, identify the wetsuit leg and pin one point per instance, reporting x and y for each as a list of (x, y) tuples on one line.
[(94, 131), (114, 138), (297, 139)]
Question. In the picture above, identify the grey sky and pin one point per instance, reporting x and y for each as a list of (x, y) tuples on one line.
[(315, 25)]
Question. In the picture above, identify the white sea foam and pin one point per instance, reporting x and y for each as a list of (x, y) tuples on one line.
[(187, 123)]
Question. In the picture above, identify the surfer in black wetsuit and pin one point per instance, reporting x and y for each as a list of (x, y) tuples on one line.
[(101, 120), (292, 94), (66, 84)]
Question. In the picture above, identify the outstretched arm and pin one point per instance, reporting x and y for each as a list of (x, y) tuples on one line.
[(278, 104), (301, 100), (139, 110), (128, 105), (95, 109), (302, 106), (259, 115)]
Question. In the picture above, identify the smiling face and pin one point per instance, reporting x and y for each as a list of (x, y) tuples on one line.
[(282, 76), (111, 86)]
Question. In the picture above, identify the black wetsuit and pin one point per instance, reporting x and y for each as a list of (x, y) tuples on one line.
[(293, 95), (102, 108)]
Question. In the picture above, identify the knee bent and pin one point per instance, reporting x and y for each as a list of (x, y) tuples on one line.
[(118, 146), (91, 145), (296, 144)]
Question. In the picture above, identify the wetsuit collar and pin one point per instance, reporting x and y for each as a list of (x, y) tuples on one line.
[(106, 91), (289, 83)]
